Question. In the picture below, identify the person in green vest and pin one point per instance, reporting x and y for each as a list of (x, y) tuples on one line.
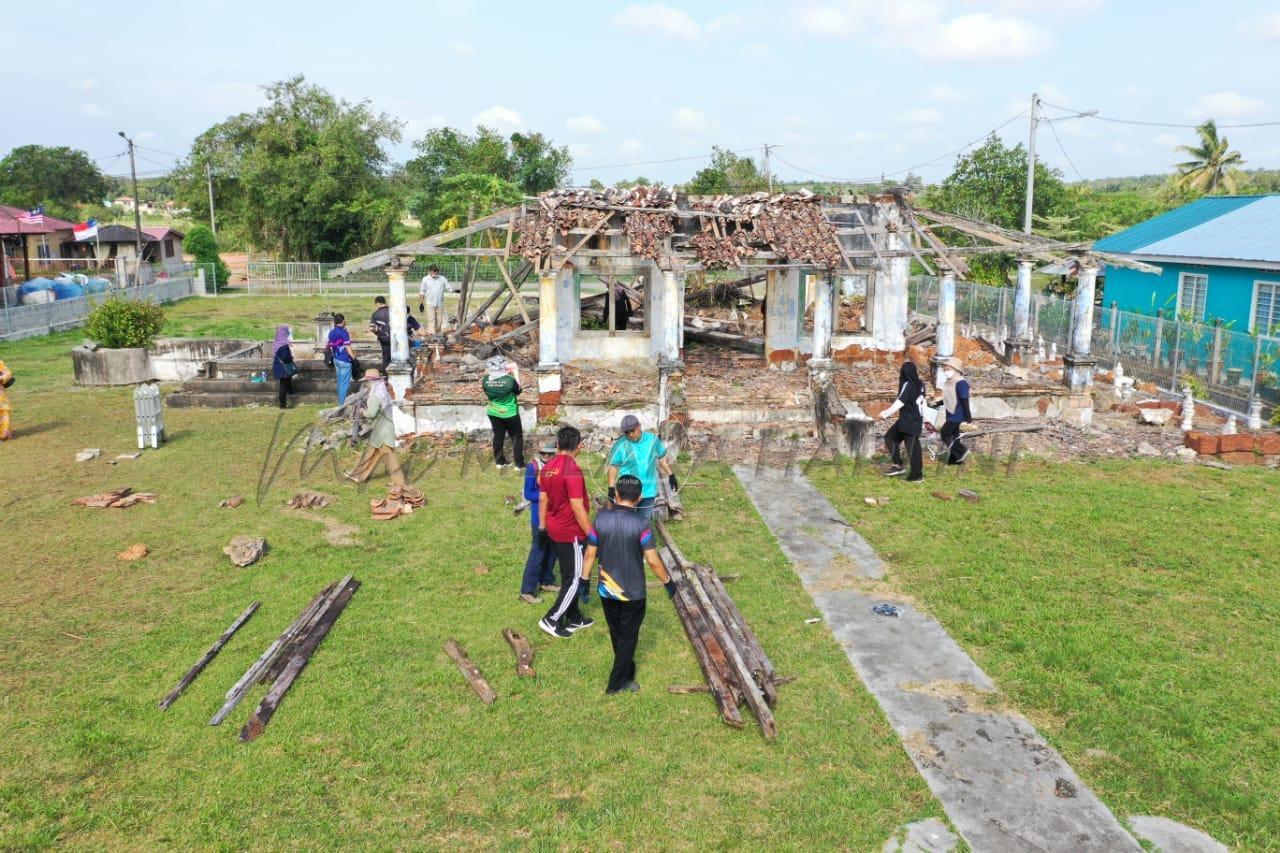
[(501, 384)]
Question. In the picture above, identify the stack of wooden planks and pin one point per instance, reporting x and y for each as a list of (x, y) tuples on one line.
[(737, 669)]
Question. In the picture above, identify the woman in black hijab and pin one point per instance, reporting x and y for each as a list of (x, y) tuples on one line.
[(909, 425)]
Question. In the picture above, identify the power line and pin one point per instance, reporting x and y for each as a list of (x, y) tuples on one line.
[(656, 162), (158, 151), (1158, 123), (1061, 148)]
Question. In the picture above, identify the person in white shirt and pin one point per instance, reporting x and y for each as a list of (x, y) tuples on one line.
[(431, 299)]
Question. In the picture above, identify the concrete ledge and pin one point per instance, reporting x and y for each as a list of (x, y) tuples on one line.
[(111, 366)]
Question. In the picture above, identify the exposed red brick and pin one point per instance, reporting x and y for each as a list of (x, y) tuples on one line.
[(873, 408), (548, 404), (1240, 443), (1124, 408), (778, 356), (1268, 443), (1042, 404), (1240, 457), (1202, 443)]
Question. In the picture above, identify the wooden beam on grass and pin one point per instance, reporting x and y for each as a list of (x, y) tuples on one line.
[(210, 654), (470, 671), (519, 644)]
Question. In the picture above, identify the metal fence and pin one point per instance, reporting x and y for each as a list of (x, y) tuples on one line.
[(297, 278), (24, 321), (1226, 368)]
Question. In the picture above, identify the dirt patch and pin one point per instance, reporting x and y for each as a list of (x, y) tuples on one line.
[(961, 697), (335, 532), (922, 748), (843, 573)]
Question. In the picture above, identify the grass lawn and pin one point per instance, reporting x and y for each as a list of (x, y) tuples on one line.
[(380, 743), (1130, 609)]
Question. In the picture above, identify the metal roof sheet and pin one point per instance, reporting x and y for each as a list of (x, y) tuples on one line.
[(1193, 230)]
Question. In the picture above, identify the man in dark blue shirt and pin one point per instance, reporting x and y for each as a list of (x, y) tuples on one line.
[(622, 541)]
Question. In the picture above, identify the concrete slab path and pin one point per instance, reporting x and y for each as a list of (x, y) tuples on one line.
[(1003, 787)]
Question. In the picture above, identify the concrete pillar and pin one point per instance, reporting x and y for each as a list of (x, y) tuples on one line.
[(672, 316), (548, 352), (946, 331), (782, 315), (1020, 341), (201, 289), (1188, 410), (568, 313), (400, 372), (1255, 414), (890, 315), (823, 315), (1078, 362)]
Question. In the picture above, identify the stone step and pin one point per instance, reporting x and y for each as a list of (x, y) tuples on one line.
[(302, 383), (198, 399)]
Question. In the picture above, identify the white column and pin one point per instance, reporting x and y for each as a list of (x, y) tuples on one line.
[(548, 352), (889, 314), (672, 316), (1078, 362), (946, 331), (399, 371), (1022, 305), (823, 306)]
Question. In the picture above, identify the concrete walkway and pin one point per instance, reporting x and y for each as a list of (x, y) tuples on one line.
[(1001, 784)]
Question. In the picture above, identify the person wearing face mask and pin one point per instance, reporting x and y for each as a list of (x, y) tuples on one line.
[(955, 396), (908, 407)]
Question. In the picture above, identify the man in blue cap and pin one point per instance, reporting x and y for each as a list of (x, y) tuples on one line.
[(641, 455)]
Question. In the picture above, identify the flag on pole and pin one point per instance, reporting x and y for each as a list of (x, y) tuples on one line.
[(33, 217), (85, 230)]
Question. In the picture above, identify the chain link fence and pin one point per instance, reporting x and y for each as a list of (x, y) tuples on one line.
[(297, 278)]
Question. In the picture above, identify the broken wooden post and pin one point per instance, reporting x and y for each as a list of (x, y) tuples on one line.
[(470, 671), (209, 655), (523, 652)]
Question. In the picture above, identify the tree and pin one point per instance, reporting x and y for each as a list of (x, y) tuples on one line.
[(57, 178), (203, 246), (727, 173), (529, 162), (305, 175), (1214, 167), (474, 195)]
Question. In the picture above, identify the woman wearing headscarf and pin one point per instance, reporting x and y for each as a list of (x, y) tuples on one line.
[(955, 396), (501, 386), (909, 425), (382, 435), (282, 363)]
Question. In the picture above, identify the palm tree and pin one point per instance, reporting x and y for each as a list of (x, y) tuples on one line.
[(1214, 166)]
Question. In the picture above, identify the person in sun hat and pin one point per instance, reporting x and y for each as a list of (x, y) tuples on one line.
[(955, 397), (642, 455), (538, 573), (382, 438)]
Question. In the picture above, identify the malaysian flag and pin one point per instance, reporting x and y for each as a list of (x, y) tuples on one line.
[(33, 217)]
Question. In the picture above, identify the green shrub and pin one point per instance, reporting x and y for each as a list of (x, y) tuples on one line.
[(122, 323), (203, 246)]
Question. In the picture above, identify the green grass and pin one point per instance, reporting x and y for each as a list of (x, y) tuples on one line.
[(380, 743), (1128, 607)]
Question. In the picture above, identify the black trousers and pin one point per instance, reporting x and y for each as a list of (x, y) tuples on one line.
[(386, 355), (502, 427), (565, 611), (895, 437), (624, 619), (951, 438), (286, 388)]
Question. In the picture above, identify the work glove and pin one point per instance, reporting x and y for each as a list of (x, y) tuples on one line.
[(670, 587), (544, 539), (671, 481), (613, 494), (422, 307)]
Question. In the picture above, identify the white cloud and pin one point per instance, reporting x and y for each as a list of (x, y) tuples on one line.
[(826, 21), (1167, 140), (1263, 27), (83, 84), (737, 23), (630, 147), (1225, 105), (584, 124), (1044, 8), (951, 95), (981, 36), (94, 111), (499, 118), (689, 120), (461, 48), (658, 19), (923, 115)]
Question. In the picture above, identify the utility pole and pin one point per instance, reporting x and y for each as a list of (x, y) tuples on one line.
[(208, 175), (1031, 163), (768, 173), (137, 202)]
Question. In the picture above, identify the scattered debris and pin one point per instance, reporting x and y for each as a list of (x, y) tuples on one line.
[(245, 550), (1154, 416), (943, 496), (128, 457), (133, 552), (309, 500), (1064, 788), (1145, 448), (876, 501), (470, 671), (971, 496), (482, 570), (231, 502), (115, 499), (87, 454), (210, 654), (814, 621), (886, 610), (523, 652), (400, 500)]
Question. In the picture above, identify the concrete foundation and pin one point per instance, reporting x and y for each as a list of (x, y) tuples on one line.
[(111, 366)]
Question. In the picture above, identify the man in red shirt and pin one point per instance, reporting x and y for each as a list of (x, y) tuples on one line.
[(562, 518)]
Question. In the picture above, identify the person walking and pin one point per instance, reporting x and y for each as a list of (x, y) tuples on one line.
[(382, 438), (538, 573), (431, 299), (501, 384), (380, 325), (563, 520), (283, 367), (955, 399), (338, 351), (621, 540), (910, 423), (641, 455), (6, 408)]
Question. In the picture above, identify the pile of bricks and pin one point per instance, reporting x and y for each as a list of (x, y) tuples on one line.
[(1245, 448)]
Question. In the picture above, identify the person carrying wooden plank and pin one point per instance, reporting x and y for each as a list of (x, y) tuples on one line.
[(623, 542), (641, 455)]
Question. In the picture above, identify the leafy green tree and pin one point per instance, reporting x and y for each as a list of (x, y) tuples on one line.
[(536, 164), (475, 195), (727, 173), (58, 178), (203, 246), (1213, 166), (305, 175)]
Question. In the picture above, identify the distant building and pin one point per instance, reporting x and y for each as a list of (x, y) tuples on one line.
[(168, 244), (1220, 258)]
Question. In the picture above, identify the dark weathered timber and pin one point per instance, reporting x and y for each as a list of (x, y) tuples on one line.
[(209, 655), (741, 632), (470, 671), (300, 657), (708, 648), (523, 651), (719, 291), (686, 689), (272, 672)]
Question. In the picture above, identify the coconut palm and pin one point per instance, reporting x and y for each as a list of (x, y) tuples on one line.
[(1213, 167)]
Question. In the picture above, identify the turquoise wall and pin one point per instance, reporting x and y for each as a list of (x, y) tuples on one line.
[(1229, 296)]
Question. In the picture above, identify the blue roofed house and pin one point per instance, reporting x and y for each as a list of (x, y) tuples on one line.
[(1220, 260)]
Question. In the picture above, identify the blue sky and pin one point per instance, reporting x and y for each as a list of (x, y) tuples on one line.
[(847, 88)]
